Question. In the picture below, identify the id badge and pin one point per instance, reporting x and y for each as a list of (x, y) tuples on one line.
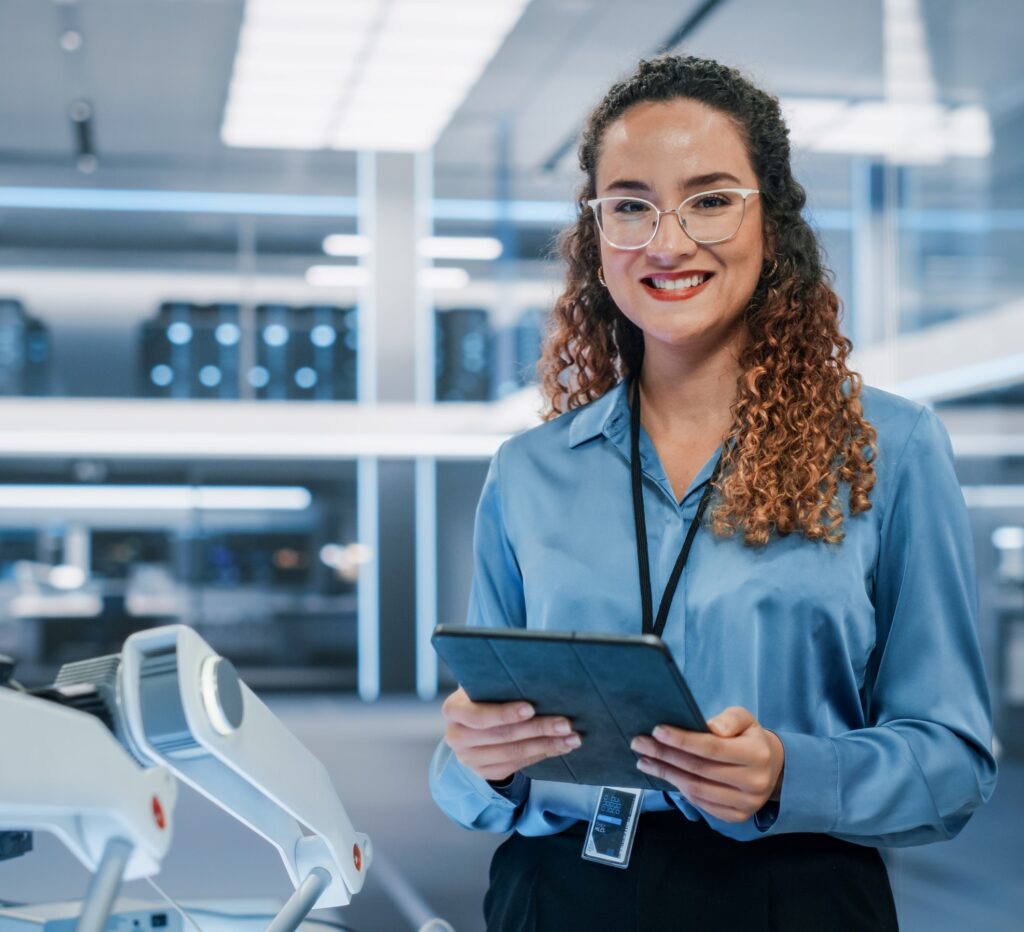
[(613, 826)]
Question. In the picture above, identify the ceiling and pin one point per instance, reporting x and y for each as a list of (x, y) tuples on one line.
[(157, 72)]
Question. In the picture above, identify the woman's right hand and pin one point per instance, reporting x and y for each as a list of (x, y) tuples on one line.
[(496, 739)]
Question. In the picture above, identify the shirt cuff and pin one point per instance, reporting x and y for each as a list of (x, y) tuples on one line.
[(514, 789), (809, 801)]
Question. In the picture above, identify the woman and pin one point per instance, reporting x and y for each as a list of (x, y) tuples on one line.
[(826, 608)]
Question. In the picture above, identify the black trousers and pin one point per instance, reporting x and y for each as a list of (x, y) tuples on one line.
[(685, 876)]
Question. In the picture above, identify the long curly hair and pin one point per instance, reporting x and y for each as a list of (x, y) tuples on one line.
[(798, 429)]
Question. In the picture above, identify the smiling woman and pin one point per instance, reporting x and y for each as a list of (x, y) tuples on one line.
[(826, 614)]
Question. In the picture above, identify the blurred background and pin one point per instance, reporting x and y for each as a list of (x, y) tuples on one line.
[(273, 278)]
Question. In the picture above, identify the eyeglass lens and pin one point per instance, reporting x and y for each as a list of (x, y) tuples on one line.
[(631, 222)]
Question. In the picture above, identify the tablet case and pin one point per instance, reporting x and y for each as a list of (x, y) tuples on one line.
[(612, 688)]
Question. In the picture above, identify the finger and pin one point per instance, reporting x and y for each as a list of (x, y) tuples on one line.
[(501, 771), (731, 722), (751, 776), (517, 752), (458, 707), (695, 788), (726, 750), (543, 726)]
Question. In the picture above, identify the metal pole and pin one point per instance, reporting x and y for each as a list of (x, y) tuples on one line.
[(104, 886), (301, 901)]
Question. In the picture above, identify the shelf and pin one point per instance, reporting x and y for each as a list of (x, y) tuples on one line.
[(188, 430)]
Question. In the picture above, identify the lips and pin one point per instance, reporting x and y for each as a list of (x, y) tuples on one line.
[(676, 286)]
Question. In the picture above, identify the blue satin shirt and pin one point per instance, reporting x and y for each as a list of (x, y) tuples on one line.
[(862, 657)]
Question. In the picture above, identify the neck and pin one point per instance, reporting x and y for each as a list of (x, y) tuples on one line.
[(680, 389)]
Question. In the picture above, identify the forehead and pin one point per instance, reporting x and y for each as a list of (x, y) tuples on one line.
[(657, 140)]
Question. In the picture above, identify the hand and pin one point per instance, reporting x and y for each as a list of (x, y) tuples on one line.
[(730, 773), (496, 739)]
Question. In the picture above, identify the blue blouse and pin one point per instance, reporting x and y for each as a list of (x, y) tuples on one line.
[(862, 657)]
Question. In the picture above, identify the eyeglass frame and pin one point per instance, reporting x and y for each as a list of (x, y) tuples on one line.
[(743, 192)]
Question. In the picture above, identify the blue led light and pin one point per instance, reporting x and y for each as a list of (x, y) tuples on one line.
[(227, 334), (259, 377), (323, 335), (161, 375), (179, 333), (305, 377), (210, 376), (275, 335)]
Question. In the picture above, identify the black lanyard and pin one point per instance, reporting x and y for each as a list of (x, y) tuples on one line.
[(650, 625)]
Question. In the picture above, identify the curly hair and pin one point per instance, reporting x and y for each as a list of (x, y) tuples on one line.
[(798, 430)]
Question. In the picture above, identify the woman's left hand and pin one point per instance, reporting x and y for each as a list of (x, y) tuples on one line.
[(730, 772)]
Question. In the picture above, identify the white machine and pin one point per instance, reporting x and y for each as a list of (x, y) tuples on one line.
[(112, 815), (175, 705)]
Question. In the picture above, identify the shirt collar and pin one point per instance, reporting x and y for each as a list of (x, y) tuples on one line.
[(607, 415)]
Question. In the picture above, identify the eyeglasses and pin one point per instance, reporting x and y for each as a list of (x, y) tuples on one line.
[(707, 218)]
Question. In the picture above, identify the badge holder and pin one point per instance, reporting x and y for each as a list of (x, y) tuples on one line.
[(613, 827)]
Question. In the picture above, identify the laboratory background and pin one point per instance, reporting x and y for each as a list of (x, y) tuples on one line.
[(273, 280)]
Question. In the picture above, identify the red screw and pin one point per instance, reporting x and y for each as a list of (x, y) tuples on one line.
[(158, 814), (357, 857)]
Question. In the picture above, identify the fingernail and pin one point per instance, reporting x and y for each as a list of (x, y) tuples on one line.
[(562, 728), (635, 744), (524, 711), (573, 741), (643, 764), (661, 733)]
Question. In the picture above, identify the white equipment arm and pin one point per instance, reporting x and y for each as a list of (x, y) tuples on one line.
[(64, 772), (185, 707)]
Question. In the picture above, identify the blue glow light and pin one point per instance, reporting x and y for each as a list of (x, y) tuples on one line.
[(305, 377), (323, 335), (227, 334), (275, 335), (161, 375), (179, 333), (259, 377), (210, 376)]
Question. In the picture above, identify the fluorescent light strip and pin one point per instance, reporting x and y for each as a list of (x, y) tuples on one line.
[(950, 383), (406, 68), (357, 276), (346, 244), (266, 445), (152, 498), (908, 132), (460, 247)]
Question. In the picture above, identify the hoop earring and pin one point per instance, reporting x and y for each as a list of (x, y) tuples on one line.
[(600, 277), (772, 269)]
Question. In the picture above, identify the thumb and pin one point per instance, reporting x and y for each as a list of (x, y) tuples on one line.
[(731, 722)]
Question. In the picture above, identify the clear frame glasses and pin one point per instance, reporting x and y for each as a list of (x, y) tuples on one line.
[(707, 218)]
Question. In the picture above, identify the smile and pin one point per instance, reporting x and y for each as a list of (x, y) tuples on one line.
[(676, 288)]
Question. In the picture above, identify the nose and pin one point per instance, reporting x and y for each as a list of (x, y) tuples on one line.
[(670, 241)]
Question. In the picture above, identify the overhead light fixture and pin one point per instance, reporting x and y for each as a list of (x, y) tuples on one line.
[(153, 498), (460, 247), (346, 244), (907, 133), (357, 276), (363, 74), (337, 276)]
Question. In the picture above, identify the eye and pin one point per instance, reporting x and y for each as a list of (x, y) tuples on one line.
[(713, 201), (630, 207)]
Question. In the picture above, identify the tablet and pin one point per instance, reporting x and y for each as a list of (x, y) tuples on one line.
[(612, 688)]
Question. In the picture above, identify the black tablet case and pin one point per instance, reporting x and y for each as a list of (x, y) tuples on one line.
[(611, 687)]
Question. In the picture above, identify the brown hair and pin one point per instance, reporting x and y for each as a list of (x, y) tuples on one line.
[(798, 427)]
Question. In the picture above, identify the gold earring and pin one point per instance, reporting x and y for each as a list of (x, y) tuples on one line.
[(772, 269), (600, 277)]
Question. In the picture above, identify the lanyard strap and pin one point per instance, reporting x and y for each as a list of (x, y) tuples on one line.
[(651, 625)]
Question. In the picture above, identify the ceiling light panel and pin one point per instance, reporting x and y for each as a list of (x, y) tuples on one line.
[(359, 74)]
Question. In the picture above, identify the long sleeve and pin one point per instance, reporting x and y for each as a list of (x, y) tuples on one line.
[(924, 763), (496, 600)]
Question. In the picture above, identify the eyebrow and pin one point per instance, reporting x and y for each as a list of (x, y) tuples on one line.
[(697, 181)]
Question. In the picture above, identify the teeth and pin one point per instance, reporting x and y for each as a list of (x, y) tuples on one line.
[(677, 284)]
